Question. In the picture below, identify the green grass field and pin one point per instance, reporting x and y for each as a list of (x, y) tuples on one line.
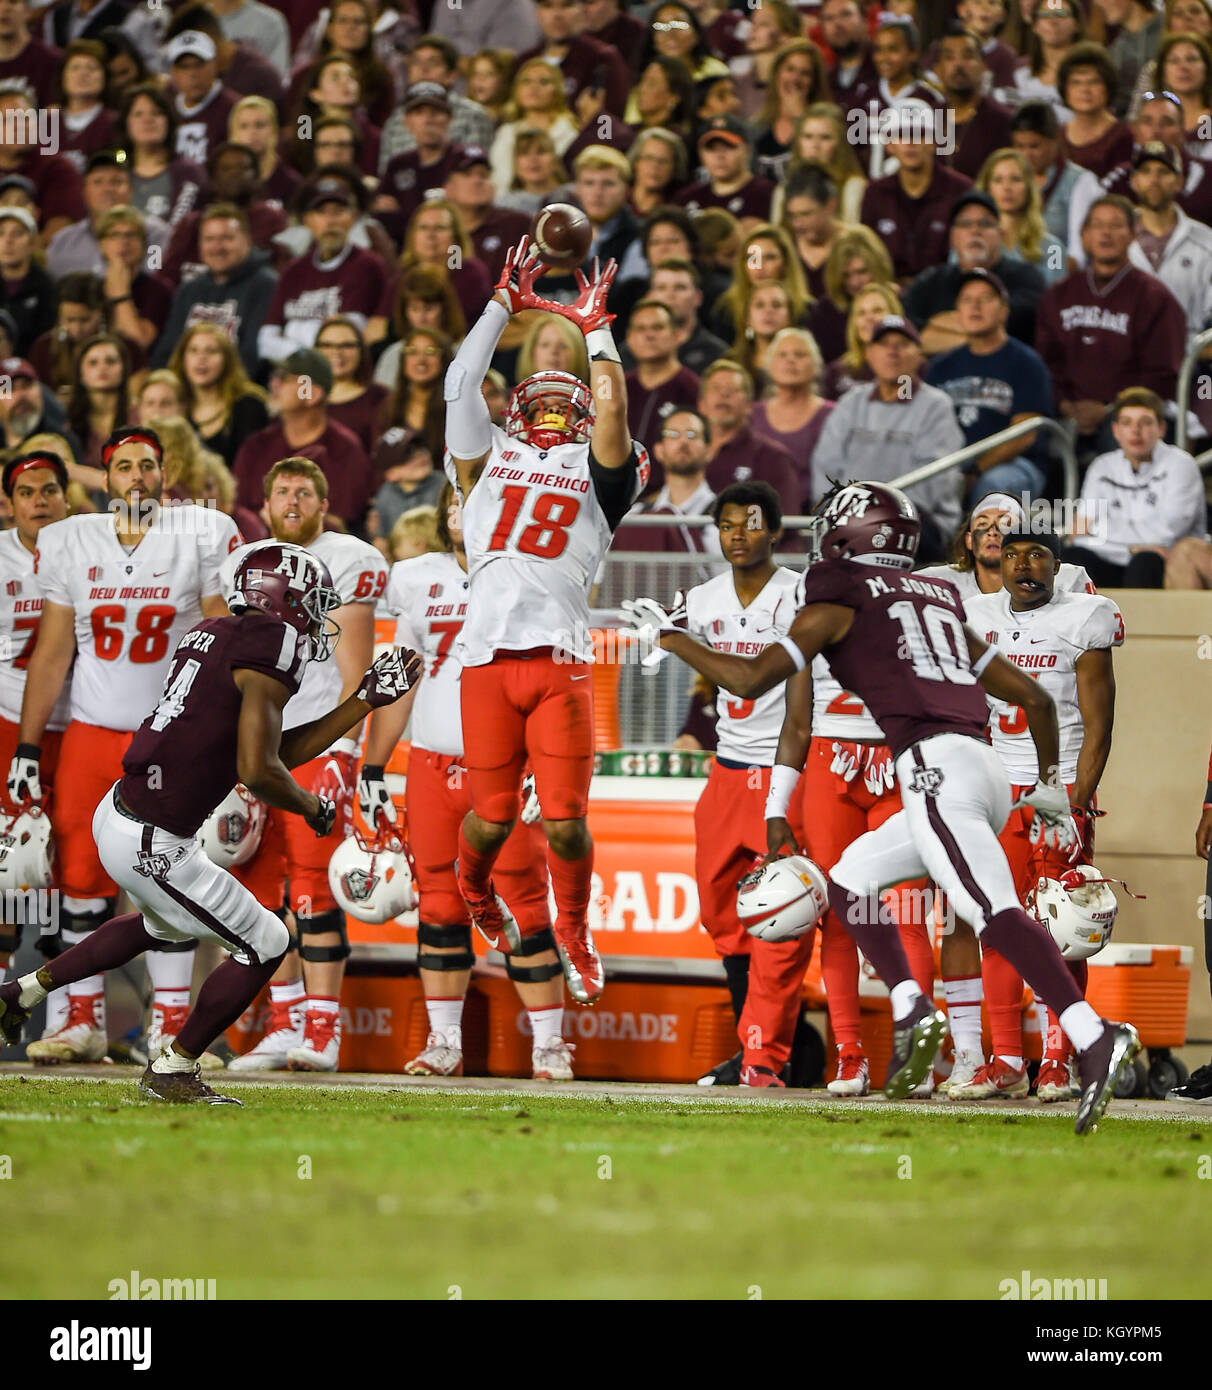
[(414, 1191)]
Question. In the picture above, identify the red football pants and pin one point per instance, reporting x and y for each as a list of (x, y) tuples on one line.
[(835, 813), (527, 707), (291, 852), (90, 762), (1002, 984), (437, 797)]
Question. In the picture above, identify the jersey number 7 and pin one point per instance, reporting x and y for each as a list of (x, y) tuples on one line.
[(547, 534)]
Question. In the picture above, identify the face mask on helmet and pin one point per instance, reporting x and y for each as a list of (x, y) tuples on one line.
[(550, 409)]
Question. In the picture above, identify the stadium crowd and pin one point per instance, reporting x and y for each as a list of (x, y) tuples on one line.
[(849, 239)]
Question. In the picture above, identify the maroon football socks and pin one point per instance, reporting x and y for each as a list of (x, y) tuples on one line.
[(871, 924), (1033, 953)]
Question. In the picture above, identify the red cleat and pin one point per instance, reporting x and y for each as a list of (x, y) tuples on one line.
[(761, 1076), (583, 969), (489, 915)]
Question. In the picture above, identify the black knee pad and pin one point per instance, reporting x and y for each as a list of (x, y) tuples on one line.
[(455, 960), (88, 921), (333, 921), (430, 935), (532, 974), (537, 941), (50, 946), (174, 948)]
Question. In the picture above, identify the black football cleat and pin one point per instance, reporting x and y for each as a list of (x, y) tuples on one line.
[(1198, 1086), (915, 1040), (1097, 1069), (182, 1088), (12, 1015), (725, 1074)]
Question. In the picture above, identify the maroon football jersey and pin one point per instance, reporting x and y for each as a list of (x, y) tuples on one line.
[(905, 655), (182, 760)]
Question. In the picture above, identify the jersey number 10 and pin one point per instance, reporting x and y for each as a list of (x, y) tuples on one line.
[(547, 534)]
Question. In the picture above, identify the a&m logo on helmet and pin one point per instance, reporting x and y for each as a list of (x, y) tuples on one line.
[(852, 500)]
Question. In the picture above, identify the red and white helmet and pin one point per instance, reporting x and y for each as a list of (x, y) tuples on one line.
[(871, 523), (1078, 908), (372, 879), (231, 834), (565, 406), (27, 850), (289, 583), (783, 900)]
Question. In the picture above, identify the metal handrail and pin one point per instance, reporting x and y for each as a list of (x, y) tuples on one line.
[(1183, 394), (1059, 430)]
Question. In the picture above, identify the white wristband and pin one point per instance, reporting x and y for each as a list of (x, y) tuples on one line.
[(600, 344), (782, 784), (793, 652), (345, 745), (982, 661)]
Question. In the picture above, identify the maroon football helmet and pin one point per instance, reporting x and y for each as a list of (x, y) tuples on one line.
[(288, 582), (550, 408), (870, 523)]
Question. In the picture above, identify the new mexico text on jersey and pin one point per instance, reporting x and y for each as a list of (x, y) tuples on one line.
[(748, 730), (132, 606), (533, 516), (1046, 643)]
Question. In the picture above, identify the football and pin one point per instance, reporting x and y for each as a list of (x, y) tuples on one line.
[(562, 234), (783, 900)]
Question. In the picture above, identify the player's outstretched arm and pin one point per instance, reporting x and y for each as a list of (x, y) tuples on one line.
[(1096, 700), (259, 742), (49, 664), (747, 677), (794, 738), (391, 675), (1004, 681), (468, 423)]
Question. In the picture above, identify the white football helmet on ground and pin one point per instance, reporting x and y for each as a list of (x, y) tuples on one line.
[(27, 850), (783, 900), (372, 879), (231, 834), (1079, 909)]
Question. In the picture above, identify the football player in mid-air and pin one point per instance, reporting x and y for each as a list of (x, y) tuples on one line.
[(219, 719), (901, 645), (541, 500)]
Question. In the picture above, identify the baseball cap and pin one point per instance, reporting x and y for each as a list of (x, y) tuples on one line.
[(309, 362), (19, 181), (1159, 151), (191, 43), (471, 156), (17, 368), (986, 277), (894, 323), (105, 159), (22, 215), (427, 94), (329, 191), (728, 128), (972, 197)]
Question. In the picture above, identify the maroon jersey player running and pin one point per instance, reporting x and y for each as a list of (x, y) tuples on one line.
[(900, 643), (219, 719)]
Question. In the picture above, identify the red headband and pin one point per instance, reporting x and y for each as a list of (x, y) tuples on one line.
[(38, 461), (138, 437)]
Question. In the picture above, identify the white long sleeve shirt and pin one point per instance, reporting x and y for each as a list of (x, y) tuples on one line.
[(1156, 504)]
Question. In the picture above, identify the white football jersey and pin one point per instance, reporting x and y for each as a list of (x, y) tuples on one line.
[(1070, 579), (359, 575), (1045, 643), (428, 594), (838, 713), (132, 606), (747, 730), (535, 533), (20, 613)]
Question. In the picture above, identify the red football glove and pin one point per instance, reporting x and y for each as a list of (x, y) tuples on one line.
[(521, 269), (337, 781), (589, 311)]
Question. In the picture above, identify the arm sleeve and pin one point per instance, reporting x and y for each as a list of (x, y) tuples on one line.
[(468, 423), (617, 488)]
